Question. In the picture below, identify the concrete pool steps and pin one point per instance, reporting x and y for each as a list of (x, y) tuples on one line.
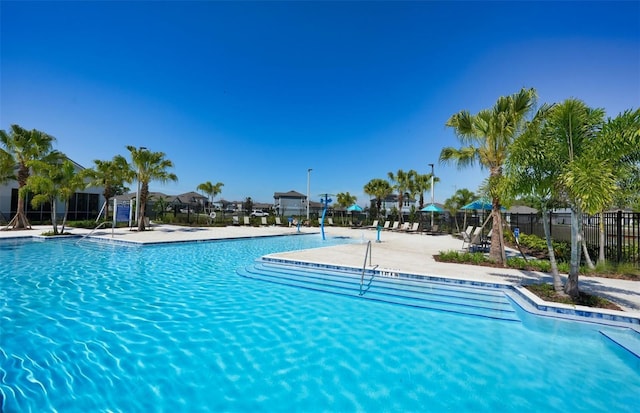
[(628, 339), (414, 293)]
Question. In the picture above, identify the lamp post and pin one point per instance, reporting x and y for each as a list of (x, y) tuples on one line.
[(432, 198), (138, 190), (308, 187)]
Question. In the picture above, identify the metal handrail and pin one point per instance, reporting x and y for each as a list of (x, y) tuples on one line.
[(368, 251), (93, 230)]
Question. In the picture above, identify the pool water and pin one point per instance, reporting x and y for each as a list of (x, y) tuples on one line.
[(89, 326)]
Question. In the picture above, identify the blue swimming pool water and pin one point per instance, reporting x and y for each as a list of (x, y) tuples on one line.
[(101, 327)]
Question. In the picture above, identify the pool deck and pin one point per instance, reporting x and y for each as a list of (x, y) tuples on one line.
[(397, 251)]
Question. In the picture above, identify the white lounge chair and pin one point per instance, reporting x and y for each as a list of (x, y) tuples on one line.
[(246, 220)]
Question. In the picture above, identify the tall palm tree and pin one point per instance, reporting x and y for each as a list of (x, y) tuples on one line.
[(211, 190), (402, 181), (380, 189), (111, 176), (24, 146), (486, 137), (533, 172), (150, 166), (571, 129)]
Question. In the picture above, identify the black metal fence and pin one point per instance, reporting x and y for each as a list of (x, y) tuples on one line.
[(621, 232)]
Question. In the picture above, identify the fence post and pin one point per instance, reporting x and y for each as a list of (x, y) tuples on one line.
[(619, 235)]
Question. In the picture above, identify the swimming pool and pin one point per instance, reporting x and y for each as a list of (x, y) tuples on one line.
[(101, 327)]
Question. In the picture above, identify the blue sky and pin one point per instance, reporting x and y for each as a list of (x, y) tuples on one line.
[(252, 94)]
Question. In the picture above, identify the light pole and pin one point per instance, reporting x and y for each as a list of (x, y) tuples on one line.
[(138, 190), (432, 199), (308, 188)]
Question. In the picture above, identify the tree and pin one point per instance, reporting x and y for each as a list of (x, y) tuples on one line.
[(111, 176), (454, 204), (54, 180), (150, 166), (419, 184), (402, 181), (211, 190), (532, 171), (21, 147), (345, 200), (616, 152), (487, 137), (570, 130), (380, 189)]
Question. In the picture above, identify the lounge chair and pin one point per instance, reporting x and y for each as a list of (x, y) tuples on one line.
[(394, 226), (434, 230), (246, 221), (414, 228), (278, 221), (476, 239), (234, 220), (373, 226), (466, 238), (386, 224), (404, 227), (264, 221), (330, 221)]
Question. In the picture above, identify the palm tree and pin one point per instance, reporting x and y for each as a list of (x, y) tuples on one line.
[(211, 190), (54, 180), (459, 199), (402, 181), (345, 200), (380, 189), (150, 166), (487, 137), (570, 130), (111, 176), (419, 184), (532, 171), (22, 147), (616, 152)]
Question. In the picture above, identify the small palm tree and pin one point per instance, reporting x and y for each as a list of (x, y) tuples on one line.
[(380, 189), (402, 181), (211, 190), (54, 181), (150, 166), (22, 147), (345, 200), (111, 176)]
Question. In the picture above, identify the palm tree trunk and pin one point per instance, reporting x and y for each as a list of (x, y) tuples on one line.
[(144, 193), (557, 282), (571, 287), (587, 257), (54, 222), (497, 238)]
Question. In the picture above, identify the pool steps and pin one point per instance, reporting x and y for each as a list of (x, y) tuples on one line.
[(391, 287)]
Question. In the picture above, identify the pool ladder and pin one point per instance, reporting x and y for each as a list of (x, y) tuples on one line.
[(364, 266)]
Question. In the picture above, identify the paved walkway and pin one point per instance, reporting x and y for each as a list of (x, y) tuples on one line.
[(409, 253)]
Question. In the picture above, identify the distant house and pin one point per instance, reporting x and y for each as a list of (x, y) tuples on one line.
[(391, 202), (290, 203), (83, 205)]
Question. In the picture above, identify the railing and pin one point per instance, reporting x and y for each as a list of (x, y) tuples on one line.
[(364, 266), (93, 230)]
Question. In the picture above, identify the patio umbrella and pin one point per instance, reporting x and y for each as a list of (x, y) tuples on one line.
[(479, 204), (432, 208), (354, 207)]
